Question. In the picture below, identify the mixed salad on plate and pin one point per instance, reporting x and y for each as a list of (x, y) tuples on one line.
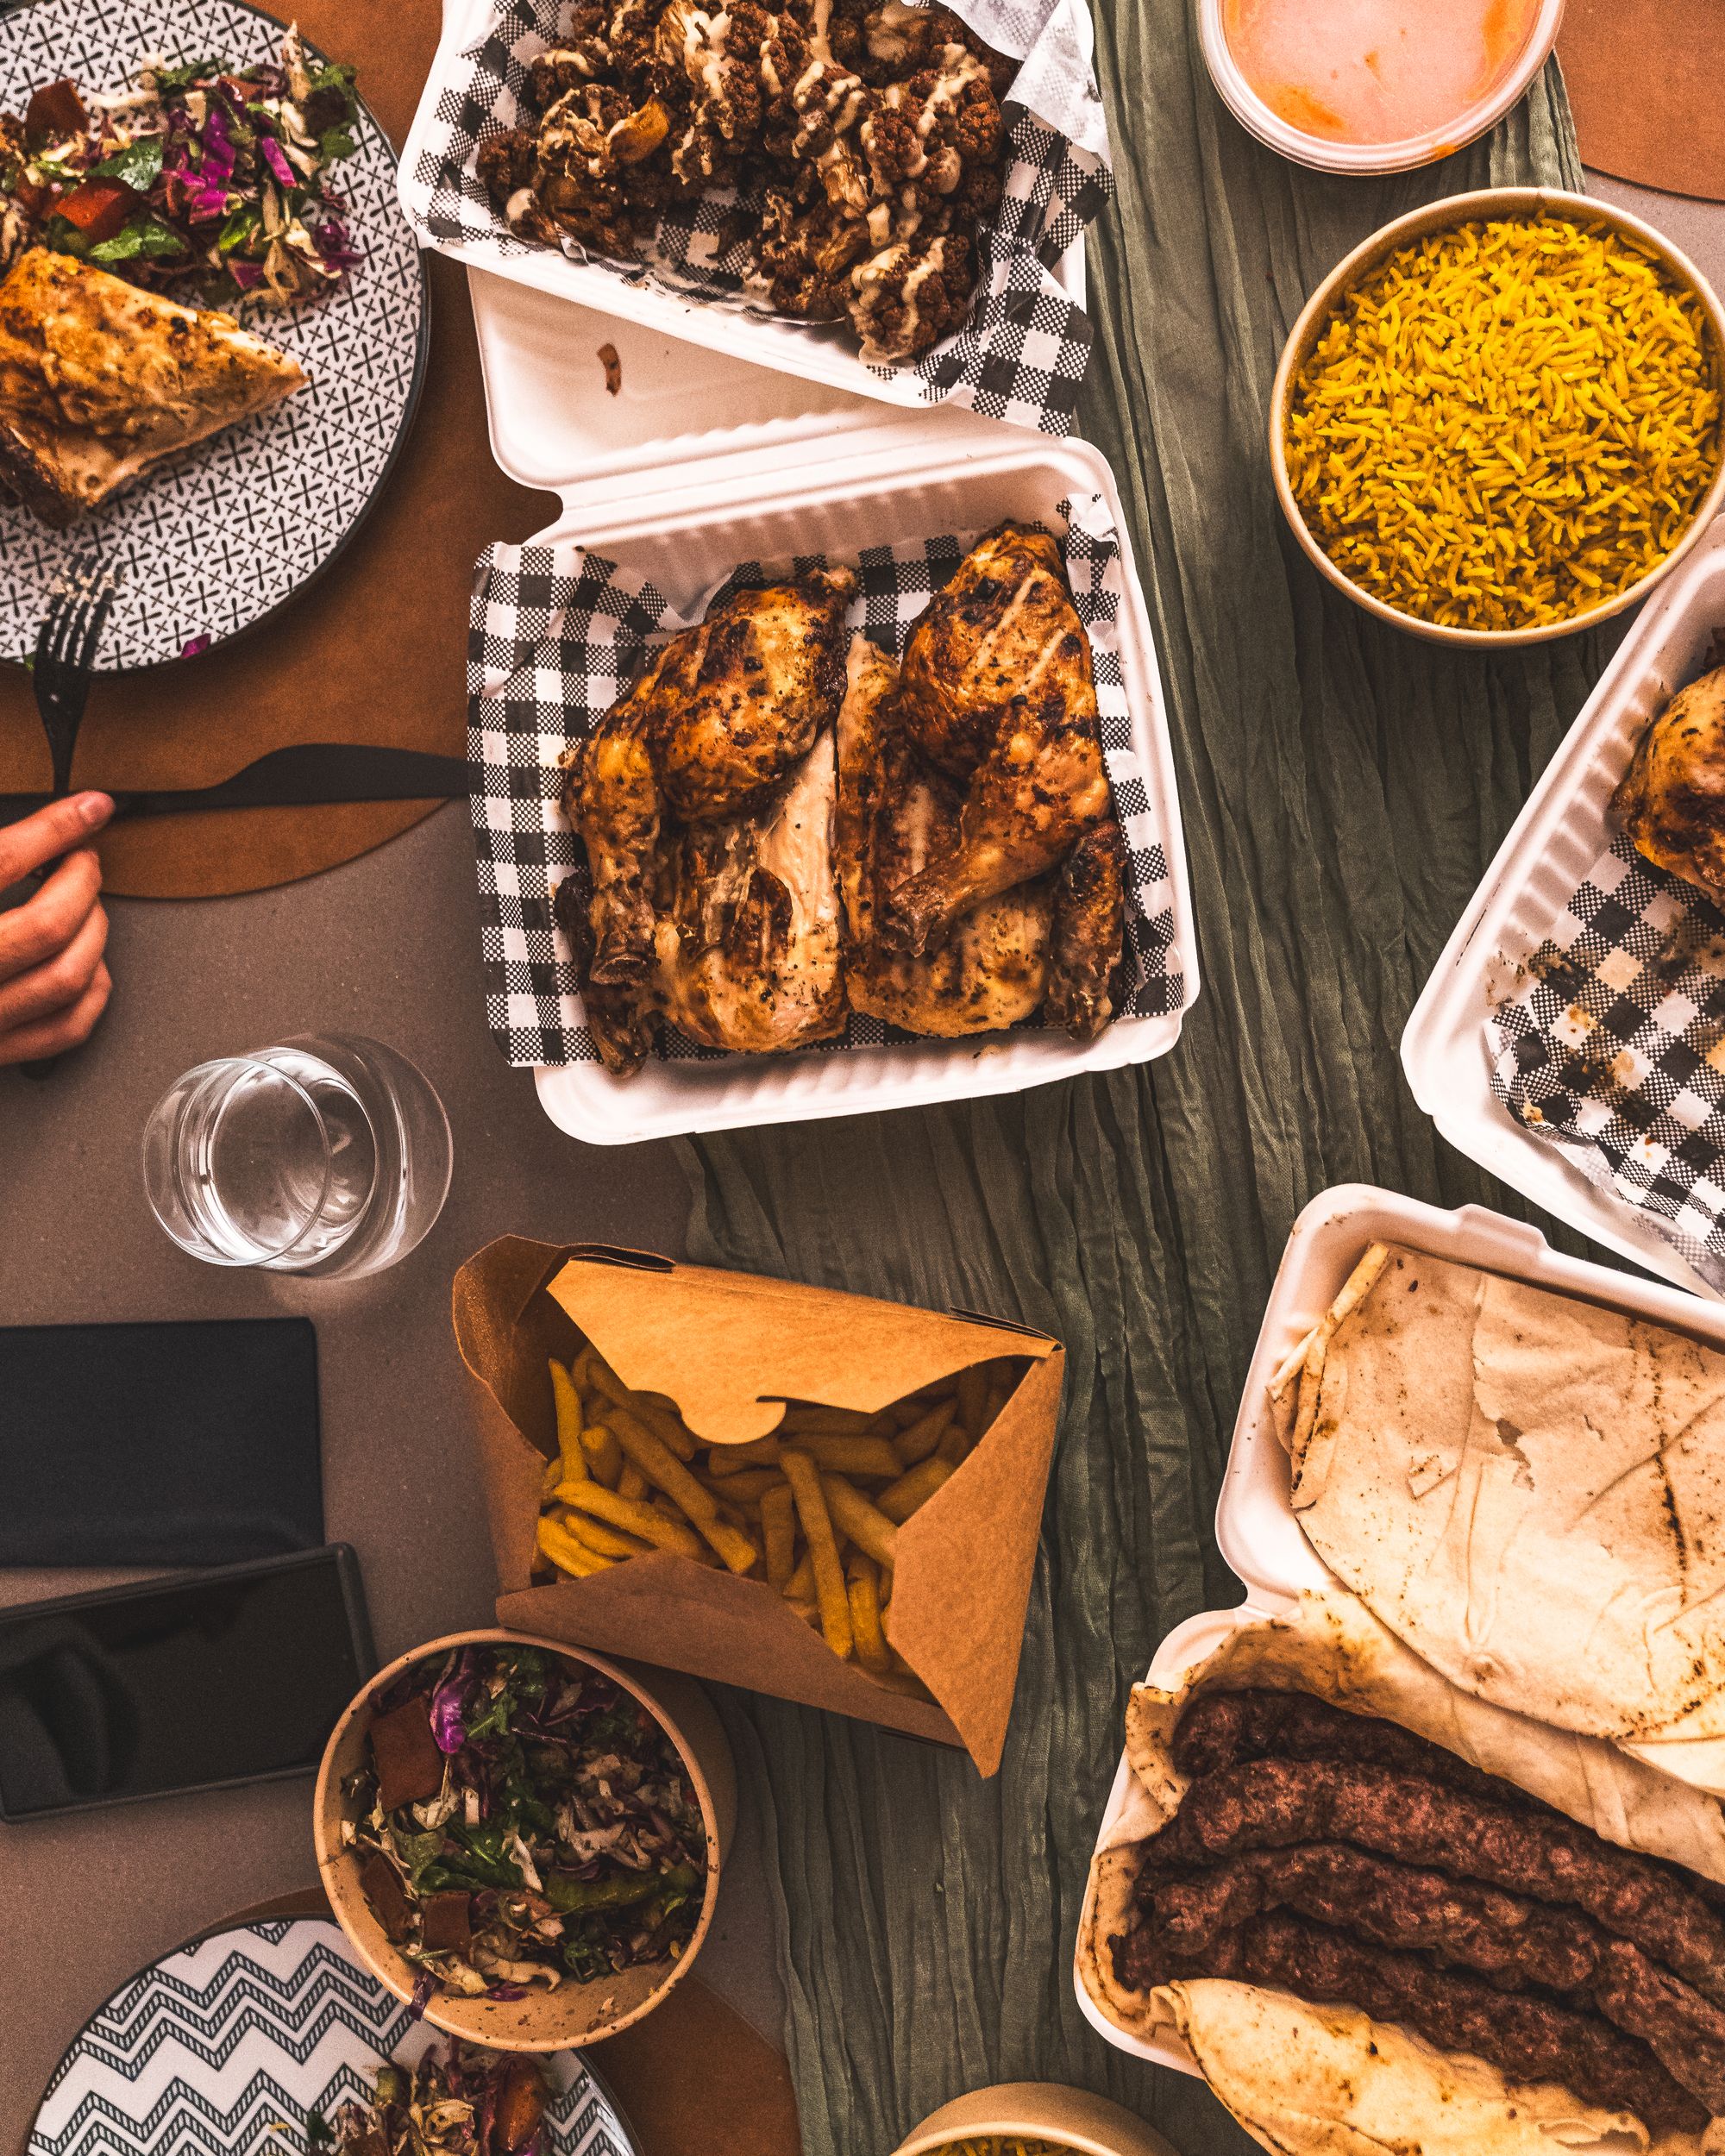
[(458, 2101), (522, 1821), (205, 182)]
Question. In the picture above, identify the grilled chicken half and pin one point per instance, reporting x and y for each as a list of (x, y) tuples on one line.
[(998, 695), (895, 816), (1672, 799), (749, 953), (704, 802), (99, 381)]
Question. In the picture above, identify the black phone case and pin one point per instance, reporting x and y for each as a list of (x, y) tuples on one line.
[(347, 1566), (184, 1442)]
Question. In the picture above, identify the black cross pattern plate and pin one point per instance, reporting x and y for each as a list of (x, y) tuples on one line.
[(210, 543)]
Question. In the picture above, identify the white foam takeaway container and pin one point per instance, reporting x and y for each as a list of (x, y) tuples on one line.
[(681, 476), (1256, 1526)]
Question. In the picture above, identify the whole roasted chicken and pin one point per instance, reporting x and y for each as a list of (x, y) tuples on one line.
[(705, 802)]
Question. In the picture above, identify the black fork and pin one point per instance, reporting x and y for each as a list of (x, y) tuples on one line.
[(66, 658), (66, 645)]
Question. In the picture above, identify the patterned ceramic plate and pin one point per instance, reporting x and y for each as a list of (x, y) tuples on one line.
[(222, 535), (217, 2047)]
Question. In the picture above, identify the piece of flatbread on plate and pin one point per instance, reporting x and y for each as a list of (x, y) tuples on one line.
[(1530, 1491), (99, 381)]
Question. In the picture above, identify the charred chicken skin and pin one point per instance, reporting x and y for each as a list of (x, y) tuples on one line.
[(739, 700), (998, 693), (894, 815), (873, 134)]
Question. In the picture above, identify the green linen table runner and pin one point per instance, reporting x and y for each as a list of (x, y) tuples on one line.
[(1343, 787)]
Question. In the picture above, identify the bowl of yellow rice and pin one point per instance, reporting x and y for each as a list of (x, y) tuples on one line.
[(1499, 420), (1032, 2118)]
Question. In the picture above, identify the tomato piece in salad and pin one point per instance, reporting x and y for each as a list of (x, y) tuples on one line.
[(98, 207)]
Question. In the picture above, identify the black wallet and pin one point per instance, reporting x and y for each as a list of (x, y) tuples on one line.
[(193, 1443)]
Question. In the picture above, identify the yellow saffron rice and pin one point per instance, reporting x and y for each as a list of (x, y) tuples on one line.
[(1002, 2145), (1506, 423)]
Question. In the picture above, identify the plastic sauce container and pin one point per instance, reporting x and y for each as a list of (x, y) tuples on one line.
[(1333, 83)]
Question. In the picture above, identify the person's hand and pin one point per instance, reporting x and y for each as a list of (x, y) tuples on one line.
[(53, 985)]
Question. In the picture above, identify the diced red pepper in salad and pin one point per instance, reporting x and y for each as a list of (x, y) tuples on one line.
[(99, 207)]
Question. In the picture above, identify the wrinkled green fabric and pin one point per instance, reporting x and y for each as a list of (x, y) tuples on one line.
[(1343, 787)]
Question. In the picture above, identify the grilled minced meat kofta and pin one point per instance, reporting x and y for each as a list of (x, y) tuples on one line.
[(1348, 1861)]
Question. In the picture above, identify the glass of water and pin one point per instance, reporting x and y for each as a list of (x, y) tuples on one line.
[(327, 1154)]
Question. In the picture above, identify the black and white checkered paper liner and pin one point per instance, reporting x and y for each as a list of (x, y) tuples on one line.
[(556, 634), (1612, 1047), (1021, 355)]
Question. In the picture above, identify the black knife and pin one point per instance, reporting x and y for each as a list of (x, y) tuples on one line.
[(309, 774)]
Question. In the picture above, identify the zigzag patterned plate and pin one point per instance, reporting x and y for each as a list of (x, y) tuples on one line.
[(214, 2050), (218, 538)]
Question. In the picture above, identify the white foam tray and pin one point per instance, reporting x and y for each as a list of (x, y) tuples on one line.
[(684, 473), (1559, 835), (1254, 1524), (815, 352)]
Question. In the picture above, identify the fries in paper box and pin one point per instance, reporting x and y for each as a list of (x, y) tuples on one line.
[(814, 1494)]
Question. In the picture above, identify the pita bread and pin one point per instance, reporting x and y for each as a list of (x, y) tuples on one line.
[(1328, 2082), (1530, 1491), (100, 381)]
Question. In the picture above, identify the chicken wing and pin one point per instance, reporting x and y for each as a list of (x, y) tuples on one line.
[(1089, 935), (740, 702), (894, 816), (748, 954), (1671, 799), (998, 693)]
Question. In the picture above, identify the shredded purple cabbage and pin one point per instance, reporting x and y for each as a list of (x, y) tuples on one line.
[(424, 1988), (193, 647), (449, 1713), (276, 158), (334, 244), (220, 155)]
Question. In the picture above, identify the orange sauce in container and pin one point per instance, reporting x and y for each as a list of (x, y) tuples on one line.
[(1375, 70)]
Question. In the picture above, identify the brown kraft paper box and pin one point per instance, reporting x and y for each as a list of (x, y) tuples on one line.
[(727, 1347)]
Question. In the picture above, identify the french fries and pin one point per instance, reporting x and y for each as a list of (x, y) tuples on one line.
[(914, 1487), (813, 1511), (863, 1590), (567, 1402), (778, 1533), (849, 1509), (806, 1481), (629, 1512)]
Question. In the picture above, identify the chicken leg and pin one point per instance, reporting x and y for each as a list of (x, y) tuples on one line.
[(1088, 934)]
